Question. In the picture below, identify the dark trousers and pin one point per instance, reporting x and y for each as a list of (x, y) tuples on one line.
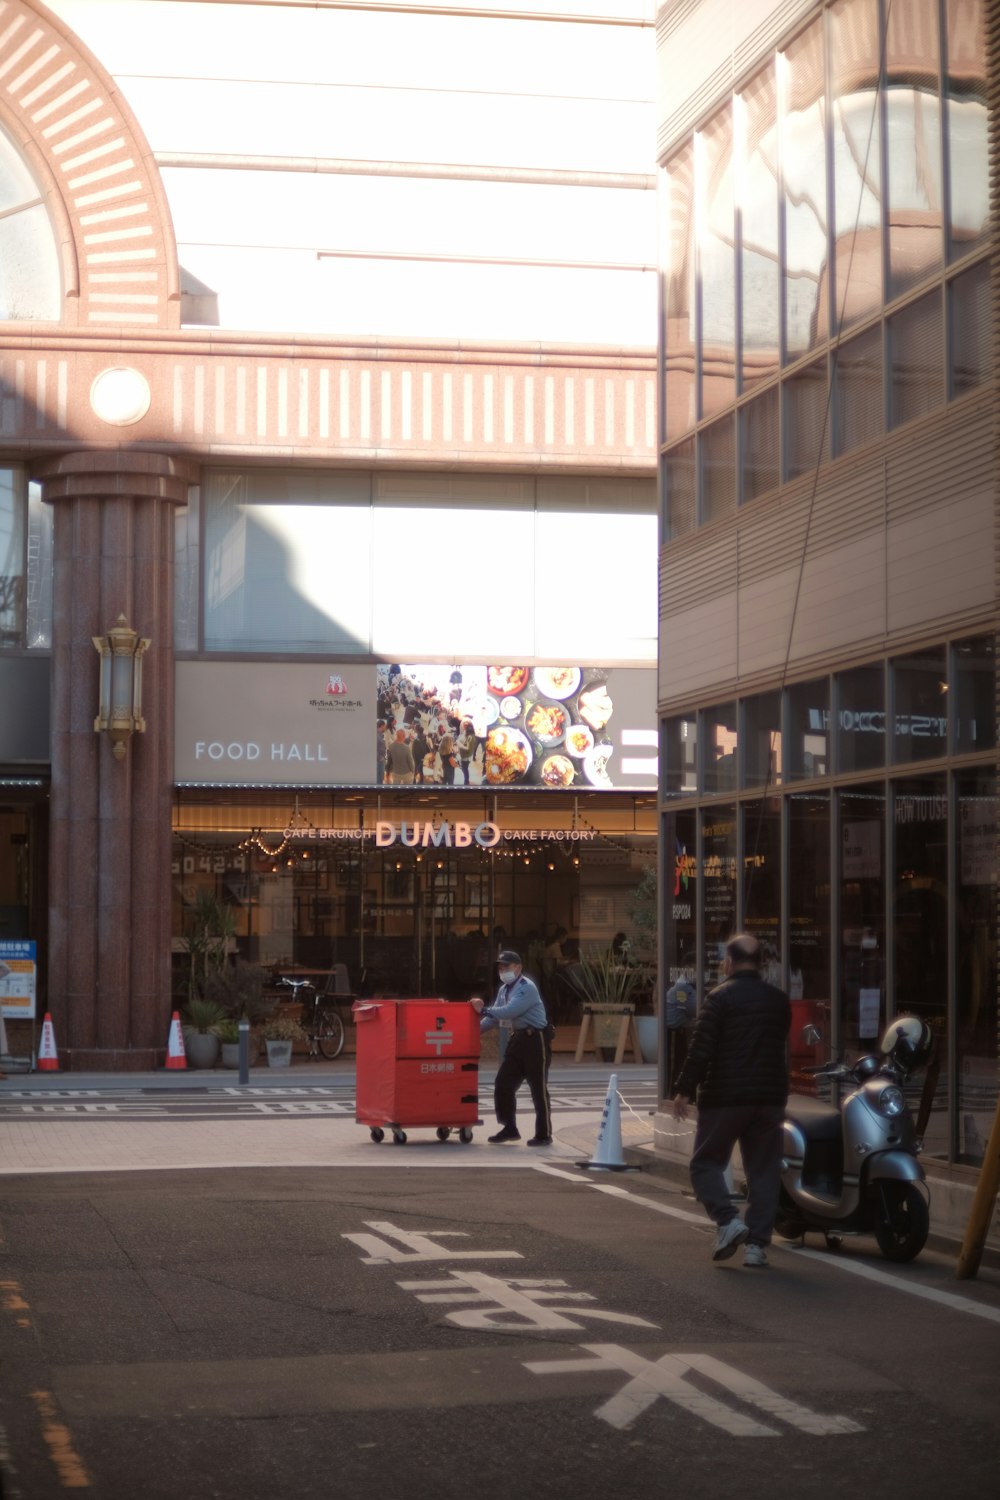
[(757, 1128), (526, 1060)]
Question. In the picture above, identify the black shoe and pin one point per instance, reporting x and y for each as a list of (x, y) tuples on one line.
[(506, 1134), (540, 1140)]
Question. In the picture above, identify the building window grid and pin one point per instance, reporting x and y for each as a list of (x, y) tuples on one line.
[(943, 276)]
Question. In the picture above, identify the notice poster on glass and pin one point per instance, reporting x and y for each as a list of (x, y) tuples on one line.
[(554, 726), (18, 971), (978, 821), (869, 1011), (862, 850)]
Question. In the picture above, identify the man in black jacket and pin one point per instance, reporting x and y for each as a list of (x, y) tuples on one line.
[(738, 1063)]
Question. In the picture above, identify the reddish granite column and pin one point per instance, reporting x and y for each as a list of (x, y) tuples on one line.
[(109, 854)]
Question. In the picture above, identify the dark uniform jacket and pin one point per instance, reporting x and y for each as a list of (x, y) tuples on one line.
[(738, 1053)]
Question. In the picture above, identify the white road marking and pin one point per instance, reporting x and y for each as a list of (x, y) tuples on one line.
[(665, 1377), (854, 1267)]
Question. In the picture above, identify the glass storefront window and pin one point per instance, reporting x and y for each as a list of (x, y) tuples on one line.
[(760, 266), (762, 758), (680, 770), (38, 601), (913, 144), (966, 126), (862, 918), (809, 929), (809, 729), (718, 868), (976, 1062), (12, 519), (860, 711), (718, 736), (762, 880), (920, 933), (803, 140), (680, 858), (920, 719), (716, 263), (916, 355), (973, 694), (679, 296)]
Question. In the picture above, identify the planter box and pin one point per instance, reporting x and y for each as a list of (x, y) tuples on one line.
[(279, 1054)]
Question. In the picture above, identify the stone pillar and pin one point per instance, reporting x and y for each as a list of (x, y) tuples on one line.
[(110, 822)]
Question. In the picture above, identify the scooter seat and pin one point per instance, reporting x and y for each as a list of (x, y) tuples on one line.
[(816, 1120)]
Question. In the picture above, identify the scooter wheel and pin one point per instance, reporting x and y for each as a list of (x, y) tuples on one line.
[(902, 1221)]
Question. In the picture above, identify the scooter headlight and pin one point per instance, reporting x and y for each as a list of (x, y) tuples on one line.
[(890, 1101)]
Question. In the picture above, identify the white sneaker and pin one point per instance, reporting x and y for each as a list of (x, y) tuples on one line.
[(754, 1255), (729, 1239)]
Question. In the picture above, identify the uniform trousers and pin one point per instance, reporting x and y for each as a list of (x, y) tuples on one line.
[(526, 1060), (757, 1128)]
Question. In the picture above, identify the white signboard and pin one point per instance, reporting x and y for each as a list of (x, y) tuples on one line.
[(18, 972), (863, 850)]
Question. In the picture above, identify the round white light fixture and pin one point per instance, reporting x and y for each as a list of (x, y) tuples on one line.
[(120, 396)]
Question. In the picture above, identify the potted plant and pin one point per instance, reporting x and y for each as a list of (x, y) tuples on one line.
[(238, 987), (280, 1033), (229, 1036), (211, 930), (200, 1022)]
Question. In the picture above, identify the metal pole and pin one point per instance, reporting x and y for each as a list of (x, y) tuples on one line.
[(244, 1050)]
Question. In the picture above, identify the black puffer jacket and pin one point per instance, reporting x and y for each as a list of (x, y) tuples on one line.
[(738, 1052)]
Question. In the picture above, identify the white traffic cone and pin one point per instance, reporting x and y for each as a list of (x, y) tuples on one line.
[(48, 1056), (176, 1056), (607, 1155)]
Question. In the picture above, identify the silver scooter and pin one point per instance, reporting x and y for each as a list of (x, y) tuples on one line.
[(854, 1169)]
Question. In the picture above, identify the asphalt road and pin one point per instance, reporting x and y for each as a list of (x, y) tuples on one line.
[(469, 1334)]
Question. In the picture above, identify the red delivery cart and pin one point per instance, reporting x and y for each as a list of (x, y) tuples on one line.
[(417, 1064)]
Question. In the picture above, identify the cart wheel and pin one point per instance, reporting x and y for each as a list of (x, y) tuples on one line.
[(465, 1135), (443, 1132), (399, 1137), (377, 1134)]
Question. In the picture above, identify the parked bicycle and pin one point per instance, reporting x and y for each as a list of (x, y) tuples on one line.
[(323, 1026)]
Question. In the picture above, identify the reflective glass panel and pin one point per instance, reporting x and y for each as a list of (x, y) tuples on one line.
[(858, 407), (862, 918), (759, 445), (11, 558), (718, 888), (973, 694), (762, 880), (716, 263), (681, 756), (718, 469), (762, 763), (966, 126), (805, 419), (803, 138), (861, 718), (916, 353), (970, 333), (38, 604), (682, 489), (976, 957), (920, 723), (920, 931), (809, 729), (760, 265), (857, 189), (679, 296), (913, 143), (680, 943), (719, 737)]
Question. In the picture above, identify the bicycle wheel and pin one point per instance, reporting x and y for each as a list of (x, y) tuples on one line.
[(329, 1034)]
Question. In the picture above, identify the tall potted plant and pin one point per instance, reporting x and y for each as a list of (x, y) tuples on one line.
[(200, 1022), (212, 925)]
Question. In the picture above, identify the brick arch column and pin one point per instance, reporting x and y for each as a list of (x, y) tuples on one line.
[(110, 820)]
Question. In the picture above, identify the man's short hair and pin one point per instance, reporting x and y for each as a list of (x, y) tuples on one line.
[(743, 948)]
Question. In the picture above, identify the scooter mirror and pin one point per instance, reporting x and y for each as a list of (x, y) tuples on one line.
[(811, 1035)]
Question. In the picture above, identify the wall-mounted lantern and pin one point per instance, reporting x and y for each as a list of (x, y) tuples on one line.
[(120, 703)]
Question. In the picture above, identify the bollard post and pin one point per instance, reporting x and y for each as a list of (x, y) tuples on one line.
[(244, 1050)]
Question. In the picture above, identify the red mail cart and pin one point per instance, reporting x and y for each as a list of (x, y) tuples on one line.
[(417, 1064)]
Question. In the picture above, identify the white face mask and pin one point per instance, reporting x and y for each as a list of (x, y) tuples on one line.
[(507, 976)]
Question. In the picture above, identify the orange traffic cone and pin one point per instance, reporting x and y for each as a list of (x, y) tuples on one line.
[(176, 1056), (48, 1057)]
